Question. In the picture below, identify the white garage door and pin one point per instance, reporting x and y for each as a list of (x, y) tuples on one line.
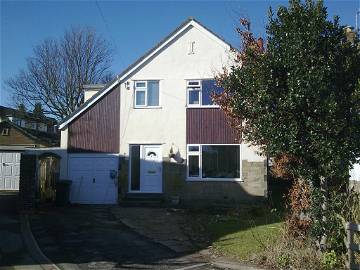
[(94, 178), (9, 170)]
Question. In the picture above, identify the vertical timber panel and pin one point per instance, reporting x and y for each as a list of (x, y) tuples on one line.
[(97, 129)]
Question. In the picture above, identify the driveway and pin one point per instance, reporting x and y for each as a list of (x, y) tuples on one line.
[(13, 254), (91, 237)]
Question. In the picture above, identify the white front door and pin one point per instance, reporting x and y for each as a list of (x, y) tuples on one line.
[(146, 166), (151, 169), (9, 170), (94, 178)]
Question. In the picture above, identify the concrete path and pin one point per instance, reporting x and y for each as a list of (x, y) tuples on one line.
[(13, 252)]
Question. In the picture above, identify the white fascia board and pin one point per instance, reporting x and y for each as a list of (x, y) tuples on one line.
[(120, 79)]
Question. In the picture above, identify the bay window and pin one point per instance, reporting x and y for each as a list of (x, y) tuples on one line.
[(211, 161)]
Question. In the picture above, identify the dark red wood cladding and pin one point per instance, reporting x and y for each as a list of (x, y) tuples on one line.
[(97, 129), (208, 125)]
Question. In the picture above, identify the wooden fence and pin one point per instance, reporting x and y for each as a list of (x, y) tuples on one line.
[(352, 247)]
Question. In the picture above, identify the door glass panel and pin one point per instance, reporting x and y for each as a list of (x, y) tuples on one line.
[(135, 167)]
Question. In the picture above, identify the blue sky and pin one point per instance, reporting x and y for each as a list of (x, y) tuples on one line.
[(132, 27)]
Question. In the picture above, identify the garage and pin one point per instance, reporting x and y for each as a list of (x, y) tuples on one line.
[(9, 170), (94, 178)]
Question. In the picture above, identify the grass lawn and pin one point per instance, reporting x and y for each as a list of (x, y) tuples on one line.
[(238, 242), (240, 233)]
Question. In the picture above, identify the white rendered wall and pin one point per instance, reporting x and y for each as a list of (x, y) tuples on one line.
[(88, 94), (355, 172), (166, 125)]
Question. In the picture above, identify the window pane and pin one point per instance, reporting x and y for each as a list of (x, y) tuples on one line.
[(193, 148), (221, 161), (135, 167), (140, 84), (153, 93), (193, 166), (194, 96), (193, 83), (140, 98), (208, 87)]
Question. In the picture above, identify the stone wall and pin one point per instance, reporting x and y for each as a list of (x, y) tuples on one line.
[(253, 186)]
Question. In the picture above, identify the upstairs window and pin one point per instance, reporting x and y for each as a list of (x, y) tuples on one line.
[(194, 91), (146, 94), (199, 92)]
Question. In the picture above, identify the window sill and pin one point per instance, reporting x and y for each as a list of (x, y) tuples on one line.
[(214, 179), (149, 107)]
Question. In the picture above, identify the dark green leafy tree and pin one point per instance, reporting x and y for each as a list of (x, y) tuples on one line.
[(300, 96)]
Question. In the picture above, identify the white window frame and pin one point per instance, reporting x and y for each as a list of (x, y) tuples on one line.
[(140, 89), (193, 153), (144, 89), (189, 88), (199, 154), (5, 132)]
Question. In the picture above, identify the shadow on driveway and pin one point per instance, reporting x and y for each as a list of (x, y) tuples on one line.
[(90, 237), (13, 252)]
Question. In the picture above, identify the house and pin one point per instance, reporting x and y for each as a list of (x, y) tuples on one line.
[(355, 177), (154, 130), (20, 131)]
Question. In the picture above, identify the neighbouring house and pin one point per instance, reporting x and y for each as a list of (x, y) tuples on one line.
[(20, 131), (355, 177), (154, 130)]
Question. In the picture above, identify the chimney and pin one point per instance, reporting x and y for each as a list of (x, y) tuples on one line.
[(91, 89)]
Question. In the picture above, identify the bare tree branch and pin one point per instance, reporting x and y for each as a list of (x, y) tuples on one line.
[(55, 74)]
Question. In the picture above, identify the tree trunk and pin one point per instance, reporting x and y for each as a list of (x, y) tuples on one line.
[(324, 191)]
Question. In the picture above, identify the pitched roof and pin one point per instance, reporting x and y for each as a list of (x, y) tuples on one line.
[(119, 78), (6, 111), (50, 139)]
